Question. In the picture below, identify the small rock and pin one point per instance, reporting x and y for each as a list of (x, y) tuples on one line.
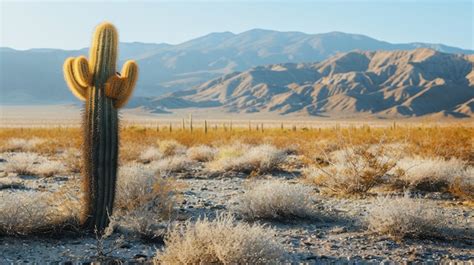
[(218, 207), (126, 246)]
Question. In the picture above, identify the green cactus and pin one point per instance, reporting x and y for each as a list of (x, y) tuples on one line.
[(104, 92)]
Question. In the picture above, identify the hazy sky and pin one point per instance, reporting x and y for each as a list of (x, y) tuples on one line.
[(40, 24)]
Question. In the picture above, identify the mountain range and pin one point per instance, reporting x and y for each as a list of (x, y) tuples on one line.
[(382, 83), (35, 75)]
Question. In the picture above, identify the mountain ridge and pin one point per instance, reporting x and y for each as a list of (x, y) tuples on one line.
[(382, 83), (167, 68)]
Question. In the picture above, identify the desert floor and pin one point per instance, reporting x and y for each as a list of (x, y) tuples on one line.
[(307, 194)]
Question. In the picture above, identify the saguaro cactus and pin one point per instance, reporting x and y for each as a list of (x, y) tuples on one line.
[(104, 91)]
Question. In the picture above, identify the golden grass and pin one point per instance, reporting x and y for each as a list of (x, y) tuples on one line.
[(425, 141)]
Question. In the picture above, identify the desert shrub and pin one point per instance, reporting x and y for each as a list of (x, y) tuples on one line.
[(134, 182), (259, 159), (49, 168), (21, 144), (221, 241), (171, 147), (23, 163), (353, 170), (22, 212), (232, 151), (72, 159), (145, 202), (150, 154), (201, 153), (25, 212), (140, 186), (130, 151), (404, 217), (33, 164), (173, 164), (140, 223), (430, 174), (276, 200), (463, 186)]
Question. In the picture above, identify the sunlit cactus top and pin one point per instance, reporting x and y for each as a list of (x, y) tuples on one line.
[(100, 69)]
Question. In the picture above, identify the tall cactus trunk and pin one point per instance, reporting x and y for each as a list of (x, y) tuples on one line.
[(101, 153), (104, 92)]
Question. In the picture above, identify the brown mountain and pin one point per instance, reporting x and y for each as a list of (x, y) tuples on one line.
[(166, 68), (381, 83)]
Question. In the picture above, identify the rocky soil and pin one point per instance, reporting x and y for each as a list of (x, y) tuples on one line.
[(339, 235)]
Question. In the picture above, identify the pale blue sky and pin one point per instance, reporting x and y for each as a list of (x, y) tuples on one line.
[(40, 24)]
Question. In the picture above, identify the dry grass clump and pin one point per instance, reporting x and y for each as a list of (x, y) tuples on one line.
[(276, 200), (33, 164), (49, 168), (171, 147), (431, 174), (72, 159), (201, 153), (244, 158), (173, 164), (404, 217), (21, 144), (24, 212), (145, 202), (140, 223), (23, 163), (139, 185), (221, 241), (150, 154), (130, 151), (353, 170), (463, 186), (134, 183)]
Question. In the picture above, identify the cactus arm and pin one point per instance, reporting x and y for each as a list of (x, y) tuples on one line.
[(81, 71), (121, 87), (71, 79), (129, 77)]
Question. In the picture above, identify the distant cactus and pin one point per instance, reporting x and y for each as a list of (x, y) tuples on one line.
[(191, 122), (104, 91)]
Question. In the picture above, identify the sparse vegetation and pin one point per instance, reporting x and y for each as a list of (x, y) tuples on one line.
[(165, 178), (405, 217), (145, 202), (28, 212), (34, 165), (21, 145), (220, 241), (353, 170), (432, 174), (150, 154), (179, 163), (239, 157), (141, 185), (276, 200), (201, 153), (170, 147)]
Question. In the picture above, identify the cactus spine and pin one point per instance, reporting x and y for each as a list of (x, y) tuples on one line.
[(104, 91)]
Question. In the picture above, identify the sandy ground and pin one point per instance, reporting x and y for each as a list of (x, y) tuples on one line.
[(339, 236), (70, 115)]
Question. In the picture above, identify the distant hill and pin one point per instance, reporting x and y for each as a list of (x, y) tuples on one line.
[(35, 76), (382, 84)]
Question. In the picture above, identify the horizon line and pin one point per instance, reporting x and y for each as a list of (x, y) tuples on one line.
[(246, 31)]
